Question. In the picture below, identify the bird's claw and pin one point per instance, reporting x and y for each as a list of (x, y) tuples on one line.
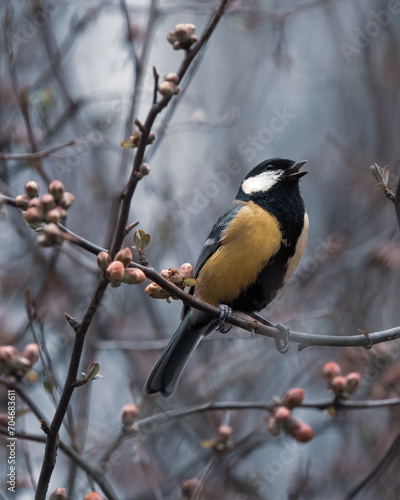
[(225, 314), (282, 342)]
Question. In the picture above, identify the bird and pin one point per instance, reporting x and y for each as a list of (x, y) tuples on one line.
[(249, 255)]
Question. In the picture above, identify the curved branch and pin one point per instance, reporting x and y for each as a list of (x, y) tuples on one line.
[(38, 154)]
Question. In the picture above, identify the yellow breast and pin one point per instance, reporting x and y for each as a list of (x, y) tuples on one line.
[(248, 243)]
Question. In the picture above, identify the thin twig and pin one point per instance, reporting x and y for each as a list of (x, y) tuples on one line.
[(38, 154)]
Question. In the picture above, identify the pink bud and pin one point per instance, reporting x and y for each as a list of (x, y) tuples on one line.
[(93, 495), (186, 271), (32, 189), (31, 352), (124, 256), (353, 381), (151, 138), (59, 494), (66, 200), (33, 215), (156, 292), (144, 169), (130, 413), (22, 201), (339, 385), (293, 398), (331, 370), (172, 77), (282, 414), (133, 276), (56, 188), (103, 260), (54, 215), (47, 201), (115, 273), (223, 434), (301, 432), (8, 354)]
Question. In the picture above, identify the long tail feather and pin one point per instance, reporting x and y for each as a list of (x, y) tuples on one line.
[(167, 371)]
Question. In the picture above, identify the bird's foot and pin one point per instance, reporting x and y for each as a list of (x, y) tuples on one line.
[(225, 314), (282, 342)]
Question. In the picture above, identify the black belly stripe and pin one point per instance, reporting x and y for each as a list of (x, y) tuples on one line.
[(268, 283)]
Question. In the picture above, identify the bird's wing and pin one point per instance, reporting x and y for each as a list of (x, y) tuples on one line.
[(213, 241)]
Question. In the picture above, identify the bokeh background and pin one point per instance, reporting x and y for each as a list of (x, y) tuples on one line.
[(316, 80)]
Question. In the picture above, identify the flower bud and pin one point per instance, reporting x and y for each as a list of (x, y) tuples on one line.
[(103, 260), (115, 273), (331, 370), (282, 414), (301, 431), (188, 487), (174, 277), (144, 169), (33, 215), (168, 89), (93, 495), (47, 201), (151, 138), (35, 203), (22, 201), (186, 271), (274, 427), (59, 494), (353, 381), (8, 354), (32, 189), (130, 413), (339, 386), (124, 256), (156, 292), (31, 353), (223, 434), (292, 398), (56, 188), (53, 215), (66, 200), (133, 276), (172, 77)]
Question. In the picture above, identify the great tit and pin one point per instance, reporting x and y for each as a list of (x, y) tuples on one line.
[(249, 255)]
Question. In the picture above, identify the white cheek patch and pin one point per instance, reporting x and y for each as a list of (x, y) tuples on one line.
[(261, 182)]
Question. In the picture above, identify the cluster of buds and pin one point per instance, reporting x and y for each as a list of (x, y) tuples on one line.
[(342, 386), (169, 86), (129, 415), (134, 139), (50, 207), (14, 363), (282, 419), (181, 278), (117, 271), (221, 440), (182, 36)]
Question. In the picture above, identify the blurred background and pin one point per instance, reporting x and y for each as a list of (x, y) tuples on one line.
[(309, 80)]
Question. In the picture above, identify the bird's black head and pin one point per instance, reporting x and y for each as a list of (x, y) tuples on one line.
[(270, 173), (274, 185)]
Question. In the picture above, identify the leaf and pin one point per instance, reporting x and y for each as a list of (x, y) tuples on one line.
[(190, 282), (128, 144), (144, 241)]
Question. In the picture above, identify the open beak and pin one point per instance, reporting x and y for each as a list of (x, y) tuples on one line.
[(293, 173)]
